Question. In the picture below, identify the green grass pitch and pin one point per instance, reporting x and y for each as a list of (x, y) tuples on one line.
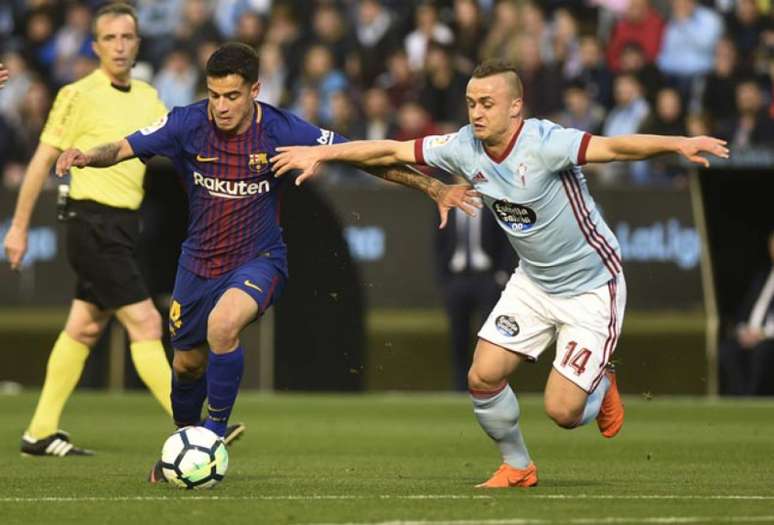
[(312, 459)]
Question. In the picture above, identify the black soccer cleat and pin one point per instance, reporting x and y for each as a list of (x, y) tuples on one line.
[(55, 445), (156, 474), (233, 432)]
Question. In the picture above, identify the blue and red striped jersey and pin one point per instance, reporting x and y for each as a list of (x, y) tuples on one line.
[(233, 199)]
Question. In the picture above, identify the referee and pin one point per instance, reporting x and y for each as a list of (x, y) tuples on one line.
[(102, 226)]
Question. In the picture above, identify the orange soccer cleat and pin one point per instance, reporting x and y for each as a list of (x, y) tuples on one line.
[(611, 414), (507, 476)]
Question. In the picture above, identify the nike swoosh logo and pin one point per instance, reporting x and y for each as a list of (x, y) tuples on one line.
[(253, 285), (199, 158)]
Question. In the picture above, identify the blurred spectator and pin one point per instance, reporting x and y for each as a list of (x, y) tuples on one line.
[(272, 75), (70, 41), (17, 85), (565, 46), (751, 126), (630, 111), (468, 31), (249, 29), (228, 12), (38, 41), (24, 133), (319, 74), (632, 61), (379, 119), (157, 21), (374, 37), (745, 26), (691, 34), (630, 108), (697, 124), (344, 117), (443, 92), (542, 82), (533, 22), (196, 25), (399, 81), (330, 30), (505, 24), (308, 106), (594, 72), (668, 118), (640, 24), (413, 122), (176, 81), (580, 111), (719, 89), (428, 28), (284, 31), (747, 358), (203, 52)]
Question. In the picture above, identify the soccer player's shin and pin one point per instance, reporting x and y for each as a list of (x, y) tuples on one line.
[(594, 401), (65, 365), (152, 366), (224, 373), (498, 414), (187, 399)]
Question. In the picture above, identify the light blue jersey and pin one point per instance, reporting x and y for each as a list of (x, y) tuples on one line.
[(540, 198)]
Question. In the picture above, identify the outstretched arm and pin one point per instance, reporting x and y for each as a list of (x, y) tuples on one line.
[(99, 157), (446, 196), (363, 153), (638, 147)]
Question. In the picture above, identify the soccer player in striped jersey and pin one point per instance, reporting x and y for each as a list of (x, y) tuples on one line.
[(569, 286), (233, 263)]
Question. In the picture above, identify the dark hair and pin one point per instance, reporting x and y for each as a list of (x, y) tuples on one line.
[(234, 58), (114, 10), (496, 66)]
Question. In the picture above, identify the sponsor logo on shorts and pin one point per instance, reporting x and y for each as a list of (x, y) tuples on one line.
[(516, 217), (507, 325), (230, 189), (175, 317)]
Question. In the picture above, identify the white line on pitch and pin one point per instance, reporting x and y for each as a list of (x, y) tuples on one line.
[(580, 521), (334, 497)]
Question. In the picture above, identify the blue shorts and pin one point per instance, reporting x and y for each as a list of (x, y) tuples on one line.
[(194, 297)]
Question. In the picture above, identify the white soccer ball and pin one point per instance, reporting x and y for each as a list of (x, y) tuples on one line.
[(194, 458)]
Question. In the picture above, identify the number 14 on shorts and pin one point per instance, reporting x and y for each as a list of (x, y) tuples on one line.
[(576, 357)]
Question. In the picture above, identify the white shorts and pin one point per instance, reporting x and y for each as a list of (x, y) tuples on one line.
[(586, 327)]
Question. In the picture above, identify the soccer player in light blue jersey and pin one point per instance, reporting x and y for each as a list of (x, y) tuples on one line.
[(569, 286)]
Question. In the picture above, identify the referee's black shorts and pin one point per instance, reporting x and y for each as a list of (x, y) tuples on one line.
[(101, 243)]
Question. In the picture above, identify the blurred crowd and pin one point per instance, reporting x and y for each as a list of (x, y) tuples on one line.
[(398, 69)]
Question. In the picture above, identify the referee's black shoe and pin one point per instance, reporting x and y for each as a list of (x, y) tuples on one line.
[(56, 445)]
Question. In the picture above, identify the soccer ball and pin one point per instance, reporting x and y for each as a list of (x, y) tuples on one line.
[(194, 458)]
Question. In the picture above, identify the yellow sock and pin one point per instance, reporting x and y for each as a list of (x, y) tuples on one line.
[(65, 365), (152, 366)]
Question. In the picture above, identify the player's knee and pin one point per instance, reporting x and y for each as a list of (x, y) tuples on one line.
[(562, 415), (187, 368), (148, 324), (480, 380), (86, 333), (222, 333)]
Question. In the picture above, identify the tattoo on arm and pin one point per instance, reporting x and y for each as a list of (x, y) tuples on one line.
[(407, 176), (104, 155)]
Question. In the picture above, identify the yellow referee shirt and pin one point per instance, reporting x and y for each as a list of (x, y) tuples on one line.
[(91, 112)]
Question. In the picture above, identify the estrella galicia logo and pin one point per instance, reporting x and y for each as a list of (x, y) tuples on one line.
[(507, 325), (517, 217)]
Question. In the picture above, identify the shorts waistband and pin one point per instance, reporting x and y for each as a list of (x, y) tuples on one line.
[(97, 208)]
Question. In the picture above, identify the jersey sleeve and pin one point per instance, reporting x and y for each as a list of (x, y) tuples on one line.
[(562, 148), (440, 151), (295, 131), (160, 138), (62, 126)]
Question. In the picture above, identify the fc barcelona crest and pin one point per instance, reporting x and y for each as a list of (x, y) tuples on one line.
[(258, 161)]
